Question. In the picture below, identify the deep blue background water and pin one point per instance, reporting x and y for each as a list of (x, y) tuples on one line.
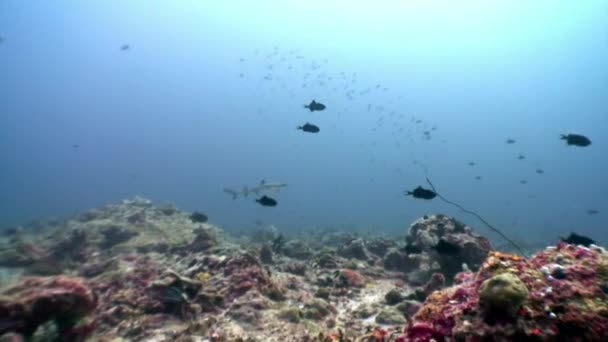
[(209, 95)]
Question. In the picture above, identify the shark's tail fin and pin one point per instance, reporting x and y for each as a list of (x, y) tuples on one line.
[(232, 192)]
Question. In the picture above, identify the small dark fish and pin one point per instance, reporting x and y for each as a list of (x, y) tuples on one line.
[(477, 177), (592, 212), (75, 146), (266, 201), (576, 140), (446, 248), (125, 47), (310, 128), (197, 217), (411, 249), (521, 157), (1, 40), (422, 193), (315, 106), (576, 239), (510, 141), (523, 181), (471, 163), (540, 171)]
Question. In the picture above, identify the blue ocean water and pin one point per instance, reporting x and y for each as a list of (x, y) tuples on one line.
[(209, 94)]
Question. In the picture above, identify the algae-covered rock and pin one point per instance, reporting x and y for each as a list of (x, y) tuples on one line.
[(393, 297), (317, 309), (364, 311), (266, 254), (409, 307), (354, 249), (396, 260), (326, 258), (504, 293), (322, 293), (292, 315), (297, 249), (390, 316)]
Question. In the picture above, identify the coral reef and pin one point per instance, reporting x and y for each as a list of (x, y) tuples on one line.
[(62, 301), (151, 273), (511, 298), (503, 294), (425, 233)]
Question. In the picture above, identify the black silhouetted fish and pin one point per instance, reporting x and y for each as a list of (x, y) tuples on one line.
[(197, 217), (576, 140), (521, 157), (267, 201), (540, 171), (125, 47), (310, 128), (315, 106), (510, 141), (75, 146), (592, 212), (576, 239), (422, 193), (446, 248)]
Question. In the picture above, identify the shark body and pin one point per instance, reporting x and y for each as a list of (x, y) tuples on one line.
[(262, 188)]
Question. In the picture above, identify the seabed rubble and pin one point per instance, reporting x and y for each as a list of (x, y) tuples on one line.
[(134, 271)]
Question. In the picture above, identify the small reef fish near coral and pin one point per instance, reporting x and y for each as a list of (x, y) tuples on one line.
[(154, 273), (293, 144)]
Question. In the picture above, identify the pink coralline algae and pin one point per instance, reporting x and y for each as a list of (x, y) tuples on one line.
[(37, 300), (126, 293), (245, 272), (350, 278), (570, 307)]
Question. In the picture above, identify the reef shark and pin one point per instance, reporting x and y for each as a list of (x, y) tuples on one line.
[(263, 187)]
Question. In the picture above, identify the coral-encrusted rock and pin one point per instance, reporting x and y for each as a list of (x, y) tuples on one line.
[(573, 308), (296, 268), (393, 297), (396, 260), (126, 291), (204, 239), (317, 309), (409, 307), (427, 231), (327, 258), (350, 278), (354, 249), (266, 254), (34, 301), (297, 249), (390, 316), (113, 235), (504, 293), (245, 272), (380, 246)]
